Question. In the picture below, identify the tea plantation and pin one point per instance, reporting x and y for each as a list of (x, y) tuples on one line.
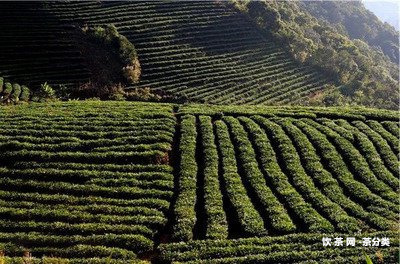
[(220, 161), (121, 182), (204, 50)]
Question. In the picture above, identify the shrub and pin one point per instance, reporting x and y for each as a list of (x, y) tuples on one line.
[(16, 92), (1, 84), (7, 89), (25, 94), (109, 36), (141, 94), (44, 93)]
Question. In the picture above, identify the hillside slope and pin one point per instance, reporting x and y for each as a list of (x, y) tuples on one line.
[(89, 180), (362, 73), (36, 48), (205, 50), (359, 23)]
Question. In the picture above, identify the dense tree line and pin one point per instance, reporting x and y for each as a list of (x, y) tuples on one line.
[(354, 20), (363, 74)]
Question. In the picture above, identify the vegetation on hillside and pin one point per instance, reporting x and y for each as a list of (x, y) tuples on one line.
[(116, 182), (364, 75), (13, 93), (94, 182), (85, 179), (354, 20), (225, 60), (119, 44), (297, 248), (202, 51)]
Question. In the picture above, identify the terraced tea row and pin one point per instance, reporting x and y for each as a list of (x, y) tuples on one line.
[(36, 48), (256, 175), (84, 180), (205, 50), (296, 248), (120, 182)]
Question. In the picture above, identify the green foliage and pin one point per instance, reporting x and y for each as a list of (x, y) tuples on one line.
[(337, 165), (99, 176), (354, 20), (13, 93), (274, 210), (366, 76), (7, 89), (312, 219), (367, 259), (1, 84), (44, 93), (16, 92), (357, 163), (25, 93), (217, 226), (110, 199), (126, 51), (367, 149), (328, 184), (141, 94), (184, 211), (249, 219), (295, 248)]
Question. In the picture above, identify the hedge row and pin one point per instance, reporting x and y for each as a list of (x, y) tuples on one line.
[(294, 256), (94, 167), (13, 92), (82, 124), (304, 181), (248, 217), (88, 143), (309, 217), (392, 127), (54, 199), (83, 189), (81, 146), (388, 156), (359, 165), (83, 134), (184, 210), (71, 216), (79, 176), (73, 251), (74, 260), (136, 243), (368, 150), (276, 249), (338, 167), (393, 141), (78, 229), (350, 113), (217, 226), (271, 206), (277, 215), (329, 185), (75, 124), (92, 209), (144, 157)]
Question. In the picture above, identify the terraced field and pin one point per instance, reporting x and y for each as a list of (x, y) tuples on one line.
[(206, 50), (119, 182), (36, 48), (266, 172), (83, 180)]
